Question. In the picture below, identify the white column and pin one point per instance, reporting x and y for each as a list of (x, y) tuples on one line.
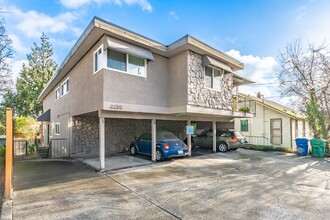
[(102, 143), (189, 140), (214, 135), (153, 140)]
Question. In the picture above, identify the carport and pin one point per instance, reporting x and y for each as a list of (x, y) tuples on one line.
[(145, 122)]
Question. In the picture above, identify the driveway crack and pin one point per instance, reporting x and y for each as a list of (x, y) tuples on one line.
[(143, 197)]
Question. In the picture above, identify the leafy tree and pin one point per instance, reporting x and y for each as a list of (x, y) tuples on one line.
[(9, 101), (33, 78), (305, 73), (6, 52)]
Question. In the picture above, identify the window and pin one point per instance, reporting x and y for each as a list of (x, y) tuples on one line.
[(57, 93), (57, 129), (98, 59), (276, 131), (136, 65), (65, 87), (244, 125), (213, 77), (145, 137), (116, 60), (126, 62)]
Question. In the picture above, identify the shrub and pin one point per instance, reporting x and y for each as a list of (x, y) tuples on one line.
[(2, 153), (273, 148), (244, 109), (32, 148)]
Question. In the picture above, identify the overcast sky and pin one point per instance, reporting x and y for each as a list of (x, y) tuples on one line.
[(252, 31)]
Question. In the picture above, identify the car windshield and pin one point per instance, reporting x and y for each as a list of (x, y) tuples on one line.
[(165, 135)]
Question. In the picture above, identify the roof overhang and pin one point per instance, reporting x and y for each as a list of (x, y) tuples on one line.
[(98, 28), (241, 81), (44, 116)]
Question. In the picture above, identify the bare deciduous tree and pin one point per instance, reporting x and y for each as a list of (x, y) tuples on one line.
[(305, 73), (6, 52)]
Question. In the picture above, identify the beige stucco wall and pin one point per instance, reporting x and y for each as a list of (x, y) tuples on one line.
[(177, 85), (124, 88)]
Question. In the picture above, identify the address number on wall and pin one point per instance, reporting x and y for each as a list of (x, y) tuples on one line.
[(116, 107)]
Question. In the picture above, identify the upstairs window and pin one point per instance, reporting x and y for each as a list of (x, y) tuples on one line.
[(136, 65), (212, 77), (57, 94), (65, 87), (126, 62), (98, 54), (117, 60)]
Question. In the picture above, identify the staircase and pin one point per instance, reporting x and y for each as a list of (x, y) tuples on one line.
[(43, 152)]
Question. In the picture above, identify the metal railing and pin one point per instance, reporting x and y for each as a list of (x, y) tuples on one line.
[(258, 140), (20, 149), (244, 105), (58, 148)]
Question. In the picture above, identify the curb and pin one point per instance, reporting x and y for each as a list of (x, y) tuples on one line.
[(7, 210)]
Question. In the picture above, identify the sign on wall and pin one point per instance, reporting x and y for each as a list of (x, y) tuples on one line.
[(190, 129)]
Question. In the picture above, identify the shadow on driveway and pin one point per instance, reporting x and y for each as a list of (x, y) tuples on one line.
[(33, 173)]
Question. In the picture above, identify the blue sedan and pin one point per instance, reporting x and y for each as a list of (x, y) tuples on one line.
[(167, 145)]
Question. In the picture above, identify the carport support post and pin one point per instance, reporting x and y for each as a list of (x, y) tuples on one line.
[(153, 140), (189, 139), (102, 143), (214, 135)]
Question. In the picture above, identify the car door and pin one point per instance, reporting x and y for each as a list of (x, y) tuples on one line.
[(205, 139), (144, 143)]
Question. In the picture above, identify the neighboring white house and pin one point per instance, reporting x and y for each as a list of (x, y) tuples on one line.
[(274, 124)]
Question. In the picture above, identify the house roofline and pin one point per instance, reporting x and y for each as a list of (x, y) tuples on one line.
[(287, 111), (157, 47)]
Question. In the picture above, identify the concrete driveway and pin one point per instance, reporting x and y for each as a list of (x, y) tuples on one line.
[(243, 184)]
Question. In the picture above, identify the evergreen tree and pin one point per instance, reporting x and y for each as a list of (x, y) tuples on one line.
[(33, 78)]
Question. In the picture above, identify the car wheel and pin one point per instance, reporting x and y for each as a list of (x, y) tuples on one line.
[(159, 155), (133, 150), (223, 147), (233, 149)]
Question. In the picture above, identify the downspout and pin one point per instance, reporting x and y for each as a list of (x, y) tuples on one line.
[(291, 139)]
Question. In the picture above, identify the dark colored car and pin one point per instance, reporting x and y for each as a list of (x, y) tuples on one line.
[(167, 145), (227, 139)]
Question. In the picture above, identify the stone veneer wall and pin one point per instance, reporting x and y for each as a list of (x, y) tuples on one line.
[(85, 136), (198, 95), (119, 133)]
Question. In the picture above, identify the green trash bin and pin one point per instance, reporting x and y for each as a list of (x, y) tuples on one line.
[(327, 149), (318, 147)]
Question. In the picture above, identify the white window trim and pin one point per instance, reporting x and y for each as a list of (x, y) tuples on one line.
[(68, 90), (102, 65), (58, 129), (57, 98), (212, 67), (126, 72)]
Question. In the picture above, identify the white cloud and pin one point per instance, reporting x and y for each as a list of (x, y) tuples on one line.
[(260, 70), (18, 45), (144, 4), (173, 16), (33, 23), (301, 12)]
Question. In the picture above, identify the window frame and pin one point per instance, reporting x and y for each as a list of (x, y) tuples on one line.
[(247, 126), (57, 128), (222, 72), (271, 131), (55, 94), (144, 75), (95, 59), (67, 87)]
